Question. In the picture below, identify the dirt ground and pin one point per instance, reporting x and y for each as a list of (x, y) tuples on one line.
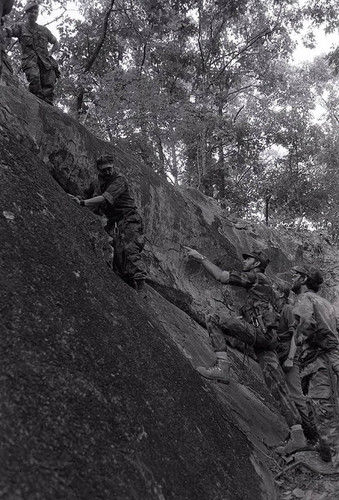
[(306, 477)]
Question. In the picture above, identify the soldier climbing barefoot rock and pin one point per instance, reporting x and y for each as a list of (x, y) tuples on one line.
[(124, 223)]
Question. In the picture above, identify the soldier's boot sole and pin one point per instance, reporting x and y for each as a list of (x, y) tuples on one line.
[(212, 374)]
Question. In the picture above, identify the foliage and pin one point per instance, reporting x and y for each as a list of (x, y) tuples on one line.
[(205, 93)]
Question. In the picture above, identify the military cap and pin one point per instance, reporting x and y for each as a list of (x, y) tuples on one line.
[(260, 256), (310, 272), (104, 159), (30, 5)]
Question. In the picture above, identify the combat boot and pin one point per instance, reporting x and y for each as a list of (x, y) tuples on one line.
[(297, 442), (220, 371), (324, 450)]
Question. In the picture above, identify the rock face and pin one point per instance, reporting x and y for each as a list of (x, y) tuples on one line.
[(99, 393)]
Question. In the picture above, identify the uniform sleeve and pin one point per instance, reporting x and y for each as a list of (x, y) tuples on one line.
[(50, 37), (114, 190), (304, 316), (288, 318), (14, 31), (238, 278)]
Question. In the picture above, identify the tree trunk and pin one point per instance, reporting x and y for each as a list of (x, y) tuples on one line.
[(160, 149), (92, 58), (174, 163), (267, 209)]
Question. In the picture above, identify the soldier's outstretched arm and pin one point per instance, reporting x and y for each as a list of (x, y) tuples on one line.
[(212, 269), (90, 202)]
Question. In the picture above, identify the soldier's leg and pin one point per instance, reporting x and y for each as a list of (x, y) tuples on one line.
[(118, 251), (293, 382), (33, 77), (133, 241), (220, 371), (236, 327), (275, 381), (2, 43), (325, 405), (333, 357), (218, 327), (48, 80)]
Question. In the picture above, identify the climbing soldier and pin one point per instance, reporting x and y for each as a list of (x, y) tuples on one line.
[(317, 336), (39, 66), (124, 223), (257, 328)]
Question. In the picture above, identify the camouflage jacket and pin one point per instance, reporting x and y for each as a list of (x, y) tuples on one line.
[(316, 326), (260, 297), (285, 331), (34, 44), (118, 199)]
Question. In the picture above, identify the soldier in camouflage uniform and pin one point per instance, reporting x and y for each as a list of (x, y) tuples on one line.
[(39, 66), (124, 223), (287, 352), (257, 328), (317, 336)]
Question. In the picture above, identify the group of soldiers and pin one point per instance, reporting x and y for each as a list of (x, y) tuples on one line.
[(295, 342), (38, 63)]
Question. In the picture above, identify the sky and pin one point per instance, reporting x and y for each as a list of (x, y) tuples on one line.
[(324, 43)]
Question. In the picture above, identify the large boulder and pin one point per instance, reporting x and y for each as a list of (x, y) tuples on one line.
[(97, 399), (100, 397)]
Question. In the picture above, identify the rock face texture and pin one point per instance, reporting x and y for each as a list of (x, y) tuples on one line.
[(99, 394)]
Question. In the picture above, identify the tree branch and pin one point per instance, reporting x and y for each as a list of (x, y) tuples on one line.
[(92, 58), (101, 40)]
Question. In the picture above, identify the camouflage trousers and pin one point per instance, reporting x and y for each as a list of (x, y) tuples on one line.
[(320, 383), (222, 325), (41, 81), (128, 243), (306, 412), (4, 61)]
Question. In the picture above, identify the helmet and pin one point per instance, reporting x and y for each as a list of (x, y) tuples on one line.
[(105, 158), (312, 273), (260, 256), (30, 5)]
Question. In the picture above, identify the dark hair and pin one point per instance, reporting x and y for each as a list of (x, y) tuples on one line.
[(105, 158), (313, 275), (260, 257), (314, 280)]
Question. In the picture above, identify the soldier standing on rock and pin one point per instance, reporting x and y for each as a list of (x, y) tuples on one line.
[(317, 336), (124, 223), (39, 66), (287, 352), (257, 328)]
